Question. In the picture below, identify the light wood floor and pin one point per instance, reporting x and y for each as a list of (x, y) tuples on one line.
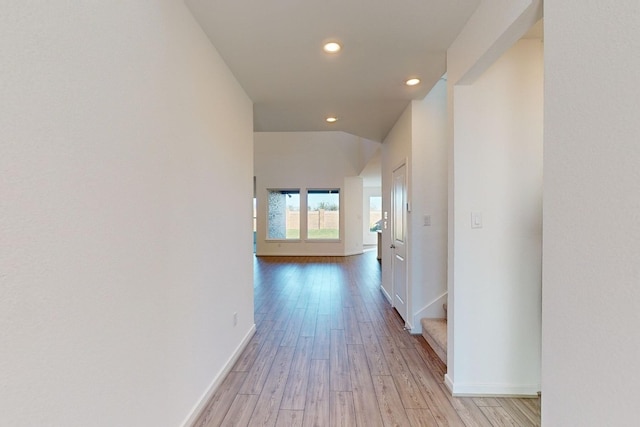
[(330, 351)]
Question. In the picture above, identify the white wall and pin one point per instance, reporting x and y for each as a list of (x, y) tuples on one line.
[(120, 261), (289, 160), (352, 201), (419, 137), (591, 287), (498, 172), (492, 29), (429, 195), (396, 150)]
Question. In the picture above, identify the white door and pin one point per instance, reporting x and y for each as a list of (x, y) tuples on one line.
[(399, 241)]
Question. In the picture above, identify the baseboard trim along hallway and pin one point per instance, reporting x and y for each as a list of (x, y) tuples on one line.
[(219, 378)]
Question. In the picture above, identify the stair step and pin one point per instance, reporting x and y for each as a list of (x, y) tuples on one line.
[(434, 332)]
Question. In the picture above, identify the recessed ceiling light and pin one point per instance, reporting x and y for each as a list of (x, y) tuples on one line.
[(331, 47), (331, 119), (412, 82)]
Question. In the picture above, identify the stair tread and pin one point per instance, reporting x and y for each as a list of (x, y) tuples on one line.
[(435, 333)]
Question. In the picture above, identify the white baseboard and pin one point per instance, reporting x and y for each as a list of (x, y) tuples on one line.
[(433, 310), (350, 253), (386, 295), (448, 383), (491, 390), (292, 254), (409, 327), (204, 400)]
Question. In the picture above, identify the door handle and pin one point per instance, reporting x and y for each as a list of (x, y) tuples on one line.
[(392, 246)]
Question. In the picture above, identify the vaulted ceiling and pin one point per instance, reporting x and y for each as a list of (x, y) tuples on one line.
[(274, 48)]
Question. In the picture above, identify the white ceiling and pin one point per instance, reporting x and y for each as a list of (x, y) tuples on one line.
[(274, 48)]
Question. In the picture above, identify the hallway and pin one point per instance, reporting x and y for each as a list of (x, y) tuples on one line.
[(330, 351)]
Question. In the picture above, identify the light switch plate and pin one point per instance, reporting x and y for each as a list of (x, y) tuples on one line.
[(427, 220), (476, 219)]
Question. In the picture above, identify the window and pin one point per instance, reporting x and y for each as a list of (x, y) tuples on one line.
[(283, 214), (323, 214), (255, 216), (255, 224), (375, 213)]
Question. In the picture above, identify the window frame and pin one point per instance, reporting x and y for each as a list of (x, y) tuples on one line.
[(309, 191), (283, 191)]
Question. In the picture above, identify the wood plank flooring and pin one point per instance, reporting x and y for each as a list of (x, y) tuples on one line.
[(330, 351)]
